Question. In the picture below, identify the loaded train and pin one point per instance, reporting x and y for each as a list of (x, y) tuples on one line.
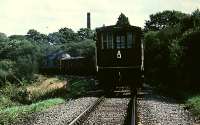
[(118, 59)]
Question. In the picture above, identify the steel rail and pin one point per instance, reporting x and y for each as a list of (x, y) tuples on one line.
[(78, 120), (134, 110)]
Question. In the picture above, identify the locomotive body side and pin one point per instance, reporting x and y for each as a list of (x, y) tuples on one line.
[(119, 56)]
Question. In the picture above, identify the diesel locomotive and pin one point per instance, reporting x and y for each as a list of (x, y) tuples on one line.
[(119, 56)]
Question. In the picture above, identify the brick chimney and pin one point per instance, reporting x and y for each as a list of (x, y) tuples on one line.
[(88, 20)]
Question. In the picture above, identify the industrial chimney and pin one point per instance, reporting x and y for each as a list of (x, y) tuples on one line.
[(88, 20)]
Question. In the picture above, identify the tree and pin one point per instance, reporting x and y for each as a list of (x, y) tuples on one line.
[(6, 68), (163, 19), (3, 41), (37, 37), (171, 49), (122, 20), (190, 60), (85, 33), (87, 48), (17, 37), (3, 37), (84, 48), (24, 57), (55, 38), (196, 18), (67, 35)]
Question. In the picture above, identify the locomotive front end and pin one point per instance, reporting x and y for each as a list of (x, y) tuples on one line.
[(119, 56)]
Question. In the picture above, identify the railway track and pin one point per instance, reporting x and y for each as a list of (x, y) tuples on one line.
[(110, 111), (133, 110), (78, 120)]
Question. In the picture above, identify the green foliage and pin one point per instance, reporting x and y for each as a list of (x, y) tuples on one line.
[(84, 48), (10, 108), (64, 35), (6, 68), (21, 59), (11, 97), (194, 104), (5, 102), (3, 37), (35, 36), (12, 114), (175, 52), (88, 48), (190, 61), (196, 18), (163, 19), (55, 38), (17, 37), (156, 55), (171, 49), (85, 33), (67, 34), (27, 52), (8, 90), (7, 94), (122, 20), (3, 40)]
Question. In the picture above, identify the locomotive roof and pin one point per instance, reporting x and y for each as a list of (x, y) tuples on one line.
[(118, 27)]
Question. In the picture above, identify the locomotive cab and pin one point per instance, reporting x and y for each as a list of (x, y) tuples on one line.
[(118, 52)]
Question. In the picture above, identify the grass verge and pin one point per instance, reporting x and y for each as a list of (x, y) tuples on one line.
[(12, 114), (17, 101), (194, 105)]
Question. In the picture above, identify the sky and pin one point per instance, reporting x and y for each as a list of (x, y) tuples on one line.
[(47, 16)]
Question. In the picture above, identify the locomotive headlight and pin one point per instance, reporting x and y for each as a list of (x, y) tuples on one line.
[(119, 56)]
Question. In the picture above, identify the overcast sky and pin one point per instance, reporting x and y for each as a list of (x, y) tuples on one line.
[(46, 16)]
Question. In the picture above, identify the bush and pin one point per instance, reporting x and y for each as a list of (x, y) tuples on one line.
[(7, 95), (190, 59), (20, 59), (5, 102), (26, 67), (8, 90), (194, 104), (6, 70), (171, 50)]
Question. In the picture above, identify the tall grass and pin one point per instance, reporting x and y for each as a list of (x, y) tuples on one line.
[(16, 102), (13, 114), (7, 93)]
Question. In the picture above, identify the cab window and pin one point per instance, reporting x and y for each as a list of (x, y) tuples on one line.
[(103, 41), (120, 41), (123, 41), (107, 41), (110, 40), (130, 40)]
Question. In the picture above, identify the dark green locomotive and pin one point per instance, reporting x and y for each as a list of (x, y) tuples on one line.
[(119, 59)]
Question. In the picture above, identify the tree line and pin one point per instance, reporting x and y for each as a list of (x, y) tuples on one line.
[(22, 55), (172, 41)]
